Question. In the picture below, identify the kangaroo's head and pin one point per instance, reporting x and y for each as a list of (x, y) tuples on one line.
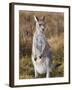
[(39, 24)]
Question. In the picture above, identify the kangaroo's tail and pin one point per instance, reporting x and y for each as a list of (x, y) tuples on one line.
[(54, 66), (57, 65)]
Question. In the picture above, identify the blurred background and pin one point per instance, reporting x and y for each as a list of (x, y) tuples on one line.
[(54, 32)]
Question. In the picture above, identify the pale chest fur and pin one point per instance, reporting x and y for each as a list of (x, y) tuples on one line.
[(38, 42)]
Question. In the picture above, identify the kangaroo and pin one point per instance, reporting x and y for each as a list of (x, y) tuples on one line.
[(41, 50)]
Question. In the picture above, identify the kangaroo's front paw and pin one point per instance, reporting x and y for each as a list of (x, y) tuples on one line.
[(35, 58), (40, 56)]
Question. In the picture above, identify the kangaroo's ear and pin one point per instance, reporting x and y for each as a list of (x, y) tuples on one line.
[(36, 18), (43, 17)]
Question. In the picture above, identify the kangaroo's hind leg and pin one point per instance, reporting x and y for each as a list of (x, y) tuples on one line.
[(36, 73), (48, 68)]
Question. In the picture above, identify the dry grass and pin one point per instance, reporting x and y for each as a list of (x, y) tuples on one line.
[(57, 45), (26, 68)]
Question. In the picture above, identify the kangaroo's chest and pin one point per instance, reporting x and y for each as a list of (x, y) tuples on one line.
[(40, 41)]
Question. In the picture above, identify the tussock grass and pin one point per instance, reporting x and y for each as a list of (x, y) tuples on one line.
[(57, 45), (26, 68)]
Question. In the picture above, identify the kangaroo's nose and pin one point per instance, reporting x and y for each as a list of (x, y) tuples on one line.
[(43, 29)]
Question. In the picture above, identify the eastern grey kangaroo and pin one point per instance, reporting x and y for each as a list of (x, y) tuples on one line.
[(41, 51)]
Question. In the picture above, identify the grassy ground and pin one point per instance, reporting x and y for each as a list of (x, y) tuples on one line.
[(26, 68)]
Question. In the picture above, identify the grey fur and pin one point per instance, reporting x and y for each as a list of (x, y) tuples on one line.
[(41, 51)]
